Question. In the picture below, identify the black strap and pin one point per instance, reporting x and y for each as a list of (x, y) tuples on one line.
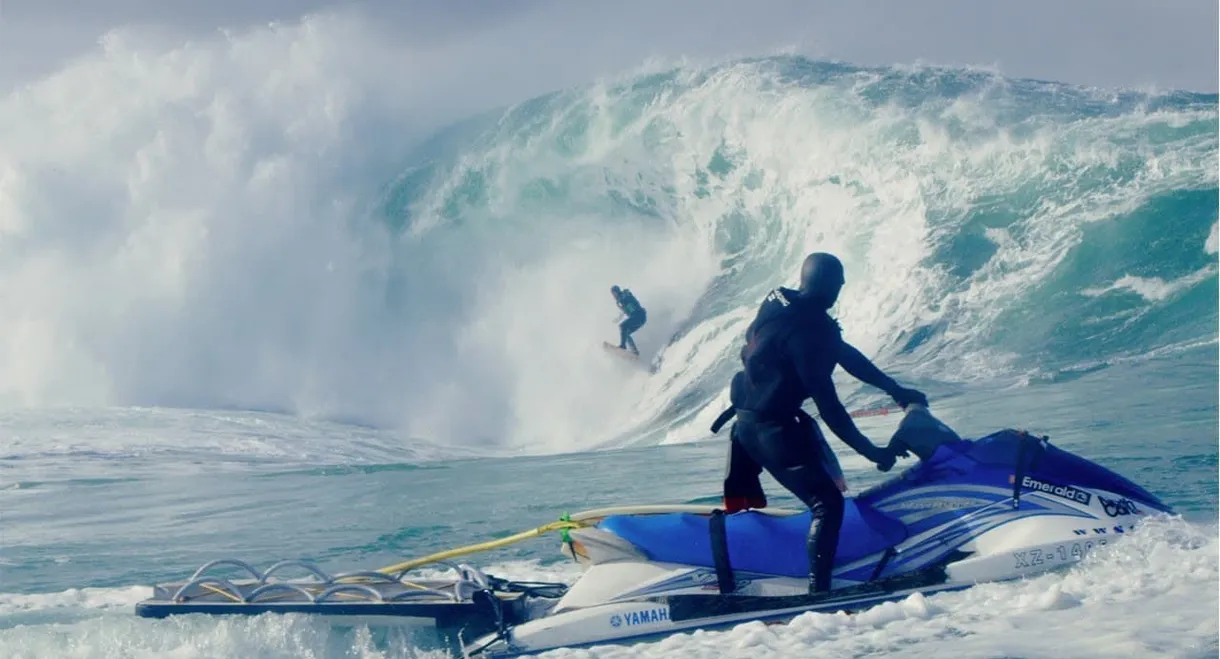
[(890, 553), (723, 419), (720, 553)]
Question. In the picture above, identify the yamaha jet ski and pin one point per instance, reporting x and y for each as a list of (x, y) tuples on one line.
[(1004, 506)]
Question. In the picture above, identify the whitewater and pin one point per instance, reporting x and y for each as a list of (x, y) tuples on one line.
[(262, 300)]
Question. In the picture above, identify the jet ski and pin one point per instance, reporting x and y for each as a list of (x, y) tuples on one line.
[(1001, 507)]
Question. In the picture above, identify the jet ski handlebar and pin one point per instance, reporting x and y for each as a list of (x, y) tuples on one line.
[(921, 433)]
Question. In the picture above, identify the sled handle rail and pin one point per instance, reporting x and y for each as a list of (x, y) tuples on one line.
[(211, 584)]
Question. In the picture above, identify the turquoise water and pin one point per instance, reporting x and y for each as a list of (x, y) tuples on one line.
[(354, 349)]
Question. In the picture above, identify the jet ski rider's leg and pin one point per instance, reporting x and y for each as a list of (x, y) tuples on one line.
[(742, 489), (826, 502), (789, 452)]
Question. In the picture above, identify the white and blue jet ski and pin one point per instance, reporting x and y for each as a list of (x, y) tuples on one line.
[(1000, 507)]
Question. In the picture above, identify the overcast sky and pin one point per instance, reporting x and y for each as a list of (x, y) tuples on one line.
[(1136, 43)]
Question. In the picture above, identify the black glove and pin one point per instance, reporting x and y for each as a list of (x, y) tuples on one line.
[(904, 397), (898, 450), (882, 457)]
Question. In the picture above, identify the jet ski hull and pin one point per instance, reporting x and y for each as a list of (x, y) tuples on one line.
[(680, 598), (1003, 507)]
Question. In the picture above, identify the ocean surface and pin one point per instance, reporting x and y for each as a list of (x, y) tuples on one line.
[(244, 315)]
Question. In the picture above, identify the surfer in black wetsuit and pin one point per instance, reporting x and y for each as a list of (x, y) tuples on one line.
[(792, 347), (635, 317)]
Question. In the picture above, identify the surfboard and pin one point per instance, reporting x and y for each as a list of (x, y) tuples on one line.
[(625, 354), (629, 357)]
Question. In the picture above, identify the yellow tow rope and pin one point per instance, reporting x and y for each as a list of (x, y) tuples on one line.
[(482, 546), (577, 521)]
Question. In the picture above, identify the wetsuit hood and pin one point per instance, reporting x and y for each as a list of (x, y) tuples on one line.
[(821, 279)]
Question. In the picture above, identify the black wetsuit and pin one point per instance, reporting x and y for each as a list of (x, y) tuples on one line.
[(792, 348), (636, 317)]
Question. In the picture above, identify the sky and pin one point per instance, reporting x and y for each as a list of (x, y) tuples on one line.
[(549, 44)]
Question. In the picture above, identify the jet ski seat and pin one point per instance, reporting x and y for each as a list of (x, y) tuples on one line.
[(757, 542)]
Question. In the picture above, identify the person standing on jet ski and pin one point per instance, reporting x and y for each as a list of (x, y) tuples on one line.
[(635, 317), (792, 347)]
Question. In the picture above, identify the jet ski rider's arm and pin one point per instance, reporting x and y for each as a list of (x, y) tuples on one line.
[(814, 366), (858, 366), (839, 421)]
